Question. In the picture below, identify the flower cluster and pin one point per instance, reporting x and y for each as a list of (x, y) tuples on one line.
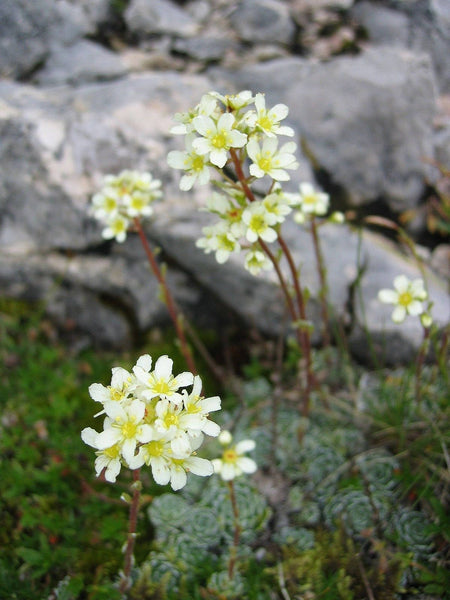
[(123, 198), (151, 419), (233, 462), (225, 132), (408, 298)]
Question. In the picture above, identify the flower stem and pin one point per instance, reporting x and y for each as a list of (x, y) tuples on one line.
[(323, 293), (281, 279), (420, 360), (304, 335), (174, 312), (237, 530), (240, 175), (134, 509)]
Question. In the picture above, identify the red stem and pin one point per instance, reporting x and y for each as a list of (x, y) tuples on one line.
[(323, 283), (304, 333)]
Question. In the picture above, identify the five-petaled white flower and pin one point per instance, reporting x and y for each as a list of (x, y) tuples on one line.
[(233, 462), (218, 137), (195, 165), (407, 297), (108, 458), (259, 222), (219, 238), (311, 201), (116, 227), (160, 382), (256, 261), (268, 160), (268, 120)]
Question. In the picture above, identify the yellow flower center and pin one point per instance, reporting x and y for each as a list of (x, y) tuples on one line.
[(220, 139), (310, 199), (265, 163), (137, 202), (225, 242), (119, 226), (405, 299), (265, 122), (170, 419), (257, 224), (129, 430), (110, 204), (198, 163), (230, 456), (112, 452), (154, 448), (162, 386)]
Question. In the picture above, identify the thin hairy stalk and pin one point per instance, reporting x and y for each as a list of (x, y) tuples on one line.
[(237, 530), (420, 361), (304, 332), (134, 509), (323, 292), (240, 175), (281, 279), (174, 312)]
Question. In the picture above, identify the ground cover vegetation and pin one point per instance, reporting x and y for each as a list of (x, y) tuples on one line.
[(314, 476)]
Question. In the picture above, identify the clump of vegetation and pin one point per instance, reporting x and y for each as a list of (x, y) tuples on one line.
[(319, 478)]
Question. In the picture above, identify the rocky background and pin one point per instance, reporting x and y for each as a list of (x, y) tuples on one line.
[(89, 87)]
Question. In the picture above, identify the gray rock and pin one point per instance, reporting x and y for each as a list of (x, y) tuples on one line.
[(375, 337), (265, 21), (35, 212), (149, 17), (205, 49), (82, 62), (383, 25), (110, 299), (24, 31), (440, 261), (442, 146), (367, 121), (430, 32)]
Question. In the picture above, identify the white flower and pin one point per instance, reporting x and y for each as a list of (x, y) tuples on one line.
[(278, 204), (235, 101), (177, 424), (268, 121), (312, 202), (195, 404), (407, 297), (118, 391), (195, 164), (160, 382), (124, 426), (206, 107), (217, 138), (267, 160), (105, 204), (108, 459), (116, 227), (219, 238), (157, 454), (179, 467), (259, 222), (255, 261), (233, 462)]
